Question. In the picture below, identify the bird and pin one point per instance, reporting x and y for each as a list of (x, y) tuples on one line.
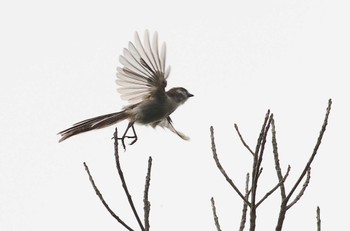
[(142, 80)]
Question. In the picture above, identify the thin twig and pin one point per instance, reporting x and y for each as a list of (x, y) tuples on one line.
[(274, 188), (147, 204), (242, 140), (121, 175), (216, 219), (256, 169), (318, 218), (284, 207), (245, 206), (264, 142), (215, 155), (300, 194), (318, 143), (258, 144), (260, 172), (276, 158), (98, 193)]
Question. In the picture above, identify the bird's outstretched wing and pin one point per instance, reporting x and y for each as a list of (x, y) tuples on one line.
[(168, 123), (143, 73)]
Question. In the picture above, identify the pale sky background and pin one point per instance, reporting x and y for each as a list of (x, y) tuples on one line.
[(239, 58)]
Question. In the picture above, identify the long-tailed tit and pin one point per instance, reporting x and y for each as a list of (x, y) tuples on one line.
[(142, 81)]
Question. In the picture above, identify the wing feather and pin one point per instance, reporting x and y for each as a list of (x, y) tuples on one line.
[(142, 50), (137, 56), (136, 63), (143, 71), (127, 74), (163, 57), (149, 51), (167, 72), (129, 66), (156, 51)]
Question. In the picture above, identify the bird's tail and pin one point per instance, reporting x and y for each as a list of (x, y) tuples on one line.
[(93, 123)]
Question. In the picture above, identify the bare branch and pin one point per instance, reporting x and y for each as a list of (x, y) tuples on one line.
[(147, 204), (216, 219), (245, 206), (277, 161), (258, 144), (121, 175), (274, 188), (318, 143), (243, 142), (256, 169), (260, 171), (285, 199), (222, 169), (318, 218), (98, 193), (264, 142), (306, 183), (258, 158)]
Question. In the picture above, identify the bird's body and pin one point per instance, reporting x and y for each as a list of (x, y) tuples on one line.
[(152, 110), (143, 82)]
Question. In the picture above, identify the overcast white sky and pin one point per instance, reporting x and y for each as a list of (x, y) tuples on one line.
[(239, 58)]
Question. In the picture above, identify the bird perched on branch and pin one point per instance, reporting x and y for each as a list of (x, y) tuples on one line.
[(142, 80)]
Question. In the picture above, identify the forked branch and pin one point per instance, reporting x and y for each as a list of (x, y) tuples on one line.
[(147, 204), (274, 188), (121, 176), (98, 193), (305, 173), (257, 172), (314, 152), (222, 170)]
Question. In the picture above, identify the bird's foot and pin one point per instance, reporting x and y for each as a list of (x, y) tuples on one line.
[(129, 137)]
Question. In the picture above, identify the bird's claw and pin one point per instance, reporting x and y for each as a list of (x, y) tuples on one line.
[(129, 137)]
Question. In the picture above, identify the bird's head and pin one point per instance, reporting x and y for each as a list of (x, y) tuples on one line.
[(179, 94)]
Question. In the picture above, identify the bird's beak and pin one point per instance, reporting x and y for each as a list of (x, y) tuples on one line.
[(190, 95)]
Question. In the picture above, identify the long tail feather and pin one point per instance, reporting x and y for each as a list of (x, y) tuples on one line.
[(92, 124)]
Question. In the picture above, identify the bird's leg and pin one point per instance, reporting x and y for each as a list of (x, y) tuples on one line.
[(135, 136), (131, 124)]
